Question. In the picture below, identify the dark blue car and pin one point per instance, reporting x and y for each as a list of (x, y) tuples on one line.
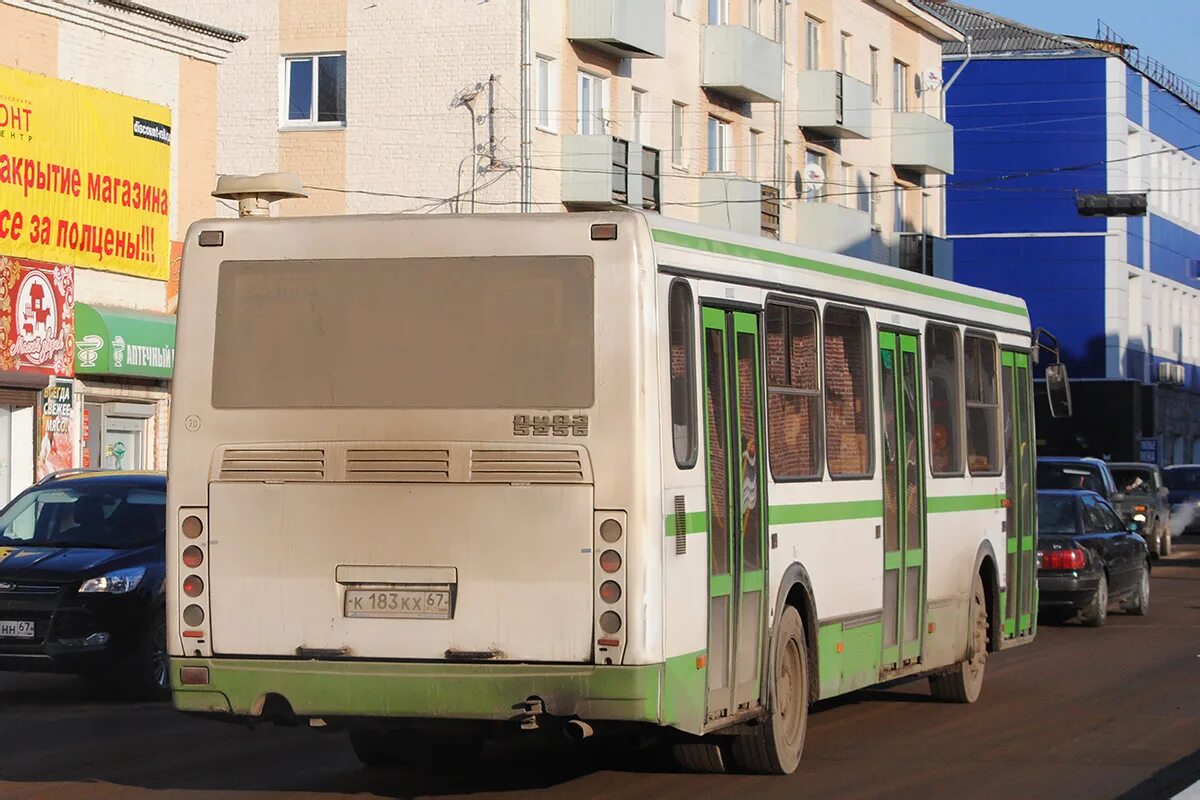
[(81, 578)]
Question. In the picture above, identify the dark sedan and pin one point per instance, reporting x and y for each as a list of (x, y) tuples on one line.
[(1088, 559), (81, 579)]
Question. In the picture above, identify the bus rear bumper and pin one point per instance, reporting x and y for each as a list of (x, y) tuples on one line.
[(336, 689)]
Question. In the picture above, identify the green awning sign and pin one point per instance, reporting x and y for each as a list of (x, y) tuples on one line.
[(116, 341)]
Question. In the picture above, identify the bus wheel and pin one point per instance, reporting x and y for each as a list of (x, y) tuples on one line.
[(774, 747), (703, 756), (964, 682)]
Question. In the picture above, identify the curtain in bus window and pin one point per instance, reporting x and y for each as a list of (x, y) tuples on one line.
[(751, 494), (481, 332), (891, 452), (847, 394), (982, 406), (944, 376), (793, 392), (912, 453), (718, 458), (683, 378)]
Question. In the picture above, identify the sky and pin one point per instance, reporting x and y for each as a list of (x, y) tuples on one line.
[(1163, 29)]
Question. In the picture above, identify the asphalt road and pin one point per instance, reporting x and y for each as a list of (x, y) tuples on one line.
[(1081, 713)]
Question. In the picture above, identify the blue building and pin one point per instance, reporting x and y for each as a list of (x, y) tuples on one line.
[(1041, 119)]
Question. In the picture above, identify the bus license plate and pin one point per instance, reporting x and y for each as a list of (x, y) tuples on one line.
[(12, 629), (398, 603)]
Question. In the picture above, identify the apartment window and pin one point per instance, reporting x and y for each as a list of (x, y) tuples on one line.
[(315, 89), (899, 86), (640, 123), (677, 133), (754, 11), (814, 176), (900, 220), (944, 368), (844, 55), (681, 335), (718, 12), (755, 144), (812, 38), (718, 145), (983, 410), (593, 104), (681, 8), (847, 393), (875, 74), (873, 201), (547, 94), (847, 187), (793, 392)]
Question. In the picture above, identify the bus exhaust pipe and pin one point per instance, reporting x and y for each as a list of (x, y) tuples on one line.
[(577, 730)]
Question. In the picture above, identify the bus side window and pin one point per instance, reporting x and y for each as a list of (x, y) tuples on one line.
[(983, 407), (793, 393), (847, 394), (681, 340), (943, 369)]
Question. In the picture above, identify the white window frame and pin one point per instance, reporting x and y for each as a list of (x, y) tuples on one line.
[(678, 156), (899, 208), (640, 124), (844, 54), (681, 8), (721, 7), (813, 194), (285, 85), (754, 15), (812, 42), (873, 204), (755, 143), (720, 134), (900, 80), (876, 96), (848, 188), (548, 94), (594, 121)]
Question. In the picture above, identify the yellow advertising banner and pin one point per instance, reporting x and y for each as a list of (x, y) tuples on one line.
[(84, 176)]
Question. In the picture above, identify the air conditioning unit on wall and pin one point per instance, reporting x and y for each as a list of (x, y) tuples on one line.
[(1171, 373)]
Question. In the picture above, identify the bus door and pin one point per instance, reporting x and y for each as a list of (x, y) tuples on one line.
[(736, 475), (1020, 602), (903, 499)]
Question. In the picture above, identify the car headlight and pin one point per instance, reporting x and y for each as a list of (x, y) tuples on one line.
[(121, 581), (1139, 517)]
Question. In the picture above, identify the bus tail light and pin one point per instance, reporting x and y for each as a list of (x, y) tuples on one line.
[(188, 572), (192, 556), (609, 529), (193, 586)]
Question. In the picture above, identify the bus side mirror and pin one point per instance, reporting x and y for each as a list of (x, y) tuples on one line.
[(1058, 390)]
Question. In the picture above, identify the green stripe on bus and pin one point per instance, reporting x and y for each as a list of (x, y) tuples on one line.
[(825, 512), (716, 247), (695, 522), (970, 502)]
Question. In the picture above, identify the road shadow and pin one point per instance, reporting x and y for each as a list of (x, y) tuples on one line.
[(50, 691), (1169, 781)]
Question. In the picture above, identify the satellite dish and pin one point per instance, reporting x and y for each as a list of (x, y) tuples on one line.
[(813, 175), (930, 79)]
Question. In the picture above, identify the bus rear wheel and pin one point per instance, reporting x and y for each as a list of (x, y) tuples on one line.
[(964, 683), (774, 747)]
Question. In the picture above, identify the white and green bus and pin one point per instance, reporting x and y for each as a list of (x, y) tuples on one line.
[(434, 478)]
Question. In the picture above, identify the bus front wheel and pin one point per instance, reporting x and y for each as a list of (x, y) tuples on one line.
[(965, 681), (774, 747)]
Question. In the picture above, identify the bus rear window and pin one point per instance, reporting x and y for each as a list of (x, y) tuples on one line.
[(487, 332)]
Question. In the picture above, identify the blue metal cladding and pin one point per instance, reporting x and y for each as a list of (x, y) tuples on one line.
[(1133, 95), (1029, 134), (1173, 121), (1061, 280), (1135, 240), (1174, 251)]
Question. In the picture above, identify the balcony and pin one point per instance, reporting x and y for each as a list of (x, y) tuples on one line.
[(742, 64), (625, 28), (603, 171), (731, 202), (927, 254), (834, 228), (922, 143), (835, 105)]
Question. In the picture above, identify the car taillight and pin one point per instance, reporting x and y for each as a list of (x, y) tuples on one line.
[(1063, 559), (1139, 508)]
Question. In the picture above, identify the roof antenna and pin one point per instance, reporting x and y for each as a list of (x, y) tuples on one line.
[(256, 193)]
